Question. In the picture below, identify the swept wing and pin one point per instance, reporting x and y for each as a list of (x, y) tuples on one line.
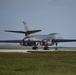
[(10, 41), (63, 40)]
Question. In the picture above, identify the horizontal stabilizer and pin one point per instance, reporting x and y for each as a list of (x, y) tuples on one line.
[(14, 31), (23, 32), (32, 31)]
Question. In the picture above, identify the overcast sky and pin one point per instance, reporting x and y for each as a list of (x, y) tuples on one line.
[(48, 15)]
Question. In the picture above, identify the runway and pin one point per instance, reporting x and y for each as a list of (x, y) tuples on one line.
[(13, 50), (40, 50), (23, 50)]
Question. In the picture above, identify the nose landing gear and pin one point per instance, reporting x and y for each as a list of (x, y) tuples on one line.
[(56, 48)]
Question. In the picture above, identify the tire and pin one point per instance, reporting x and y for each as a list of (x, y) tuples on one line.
[(34, 48), (46, 48)]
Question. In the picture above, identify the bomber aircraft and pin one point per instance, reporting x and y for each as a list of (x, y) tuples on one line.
[(35, 40)]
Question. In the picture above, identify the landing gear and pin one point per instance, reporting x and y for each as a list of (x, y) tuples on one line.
[(56, 48), (35, 47), (46, 48)]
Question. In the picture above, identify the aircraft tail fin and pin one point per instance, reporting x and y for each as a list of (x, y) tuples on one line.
[(27, 31), (25, 26)]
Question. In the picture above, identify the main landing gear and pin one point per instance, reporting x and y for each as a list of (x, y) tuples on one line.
[(46, 48), (35, 48)]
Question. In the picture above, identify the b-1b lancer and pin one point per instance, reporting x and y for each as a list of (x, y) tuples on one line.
[(35, 40)]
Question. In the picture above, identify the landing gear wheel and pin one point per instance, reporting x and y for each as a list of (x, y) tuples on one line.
[(34, 48), (46, 48)]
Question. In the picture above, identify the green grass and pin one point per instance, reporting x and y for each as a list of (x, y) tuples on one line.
[(38, 63)]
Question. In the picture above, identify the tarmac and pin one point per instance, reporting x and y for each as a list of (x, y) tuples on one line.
[(21, 50), (14, 50), (30, 50)]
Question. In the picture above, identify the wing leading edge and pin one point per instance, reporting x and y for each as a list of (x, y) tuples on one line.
[(63, 40), (10, 41), (53, 40)]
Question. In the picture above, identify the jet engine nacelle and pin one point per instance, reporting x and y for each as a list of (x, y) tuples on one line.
[(50, 43), (23, 43), (27, 43), (44, 43)]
